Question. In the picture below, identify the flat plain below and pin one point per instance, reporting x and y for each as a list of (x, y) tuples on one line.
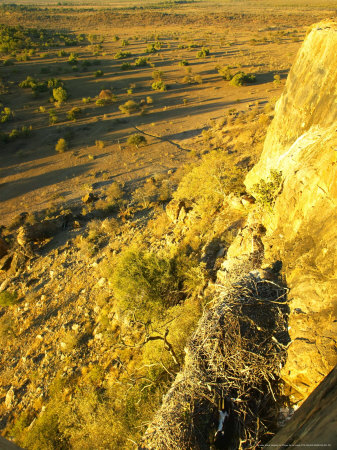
[(257, 40)]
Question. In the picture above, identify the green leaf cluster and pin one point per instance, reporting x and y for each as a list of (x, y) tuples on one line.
[(265, 192)]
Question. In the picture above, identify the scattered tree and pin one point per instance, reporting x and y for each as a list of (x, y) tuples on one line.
[(136, 140), (61, 145)]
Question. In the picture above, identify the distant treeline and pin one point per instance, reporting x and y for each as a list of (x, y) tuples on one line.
[(17, 38), (67, 6)]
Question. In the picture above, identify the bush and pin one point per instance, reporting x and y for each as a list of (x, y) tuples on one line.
[(207, 183), (150, 48), (72, 58), (52, 117), (266, 192), (74, 113), (136, 140), (54, 83), (45, 432), (114, 195), (122, 55), (35, 85), (144, 282), (203, 52), (159, 86), (241, 78), (277, 80), (6, 114), (7, 298), (225, 73), (86, 63), (102, 102), (157, 75), (126, 66), (129, 107), (16, 133), (141, 62), (61, 145), (8, 62), (27, 83), (62, 53), (98, 73), (23, 57), (192, 79), (60, 94), (184, 63)]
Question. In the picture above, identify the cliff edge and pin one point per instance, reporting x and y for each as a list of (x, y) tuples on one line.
[(301, 145)]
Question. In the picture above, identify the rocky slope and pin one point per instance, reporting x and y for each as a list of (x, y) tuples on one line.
[(301, 143), (66, 342)]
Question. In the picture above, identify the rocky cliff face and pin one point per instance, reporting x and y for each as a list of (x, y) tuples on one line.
[(301, 228)]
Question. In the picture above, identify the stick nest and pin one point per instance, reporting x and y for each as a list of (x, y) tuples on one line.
[(236, 352)]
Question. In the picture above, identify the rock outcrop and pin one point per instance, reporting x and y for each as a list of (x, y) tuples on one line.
[(313, 424), (301, 232)]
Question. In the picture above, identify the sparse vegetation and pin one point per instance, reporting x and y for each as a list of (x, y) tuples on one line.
[(61, 145), (136, 140), (60, 94), (159, 86), (7, 298), (129, 107), (241, 78), (203, 52)]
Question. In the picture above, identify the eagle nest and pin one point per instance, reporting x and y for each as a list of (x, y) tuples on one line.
[(236, 353)]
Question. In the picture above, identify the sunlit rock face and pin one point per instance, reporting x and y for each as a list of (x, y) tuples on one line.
[(301, 229), (308, 103)]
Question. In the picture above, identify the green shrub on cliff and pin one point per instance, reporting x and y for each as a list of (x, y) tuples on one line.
[(265, 192)]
